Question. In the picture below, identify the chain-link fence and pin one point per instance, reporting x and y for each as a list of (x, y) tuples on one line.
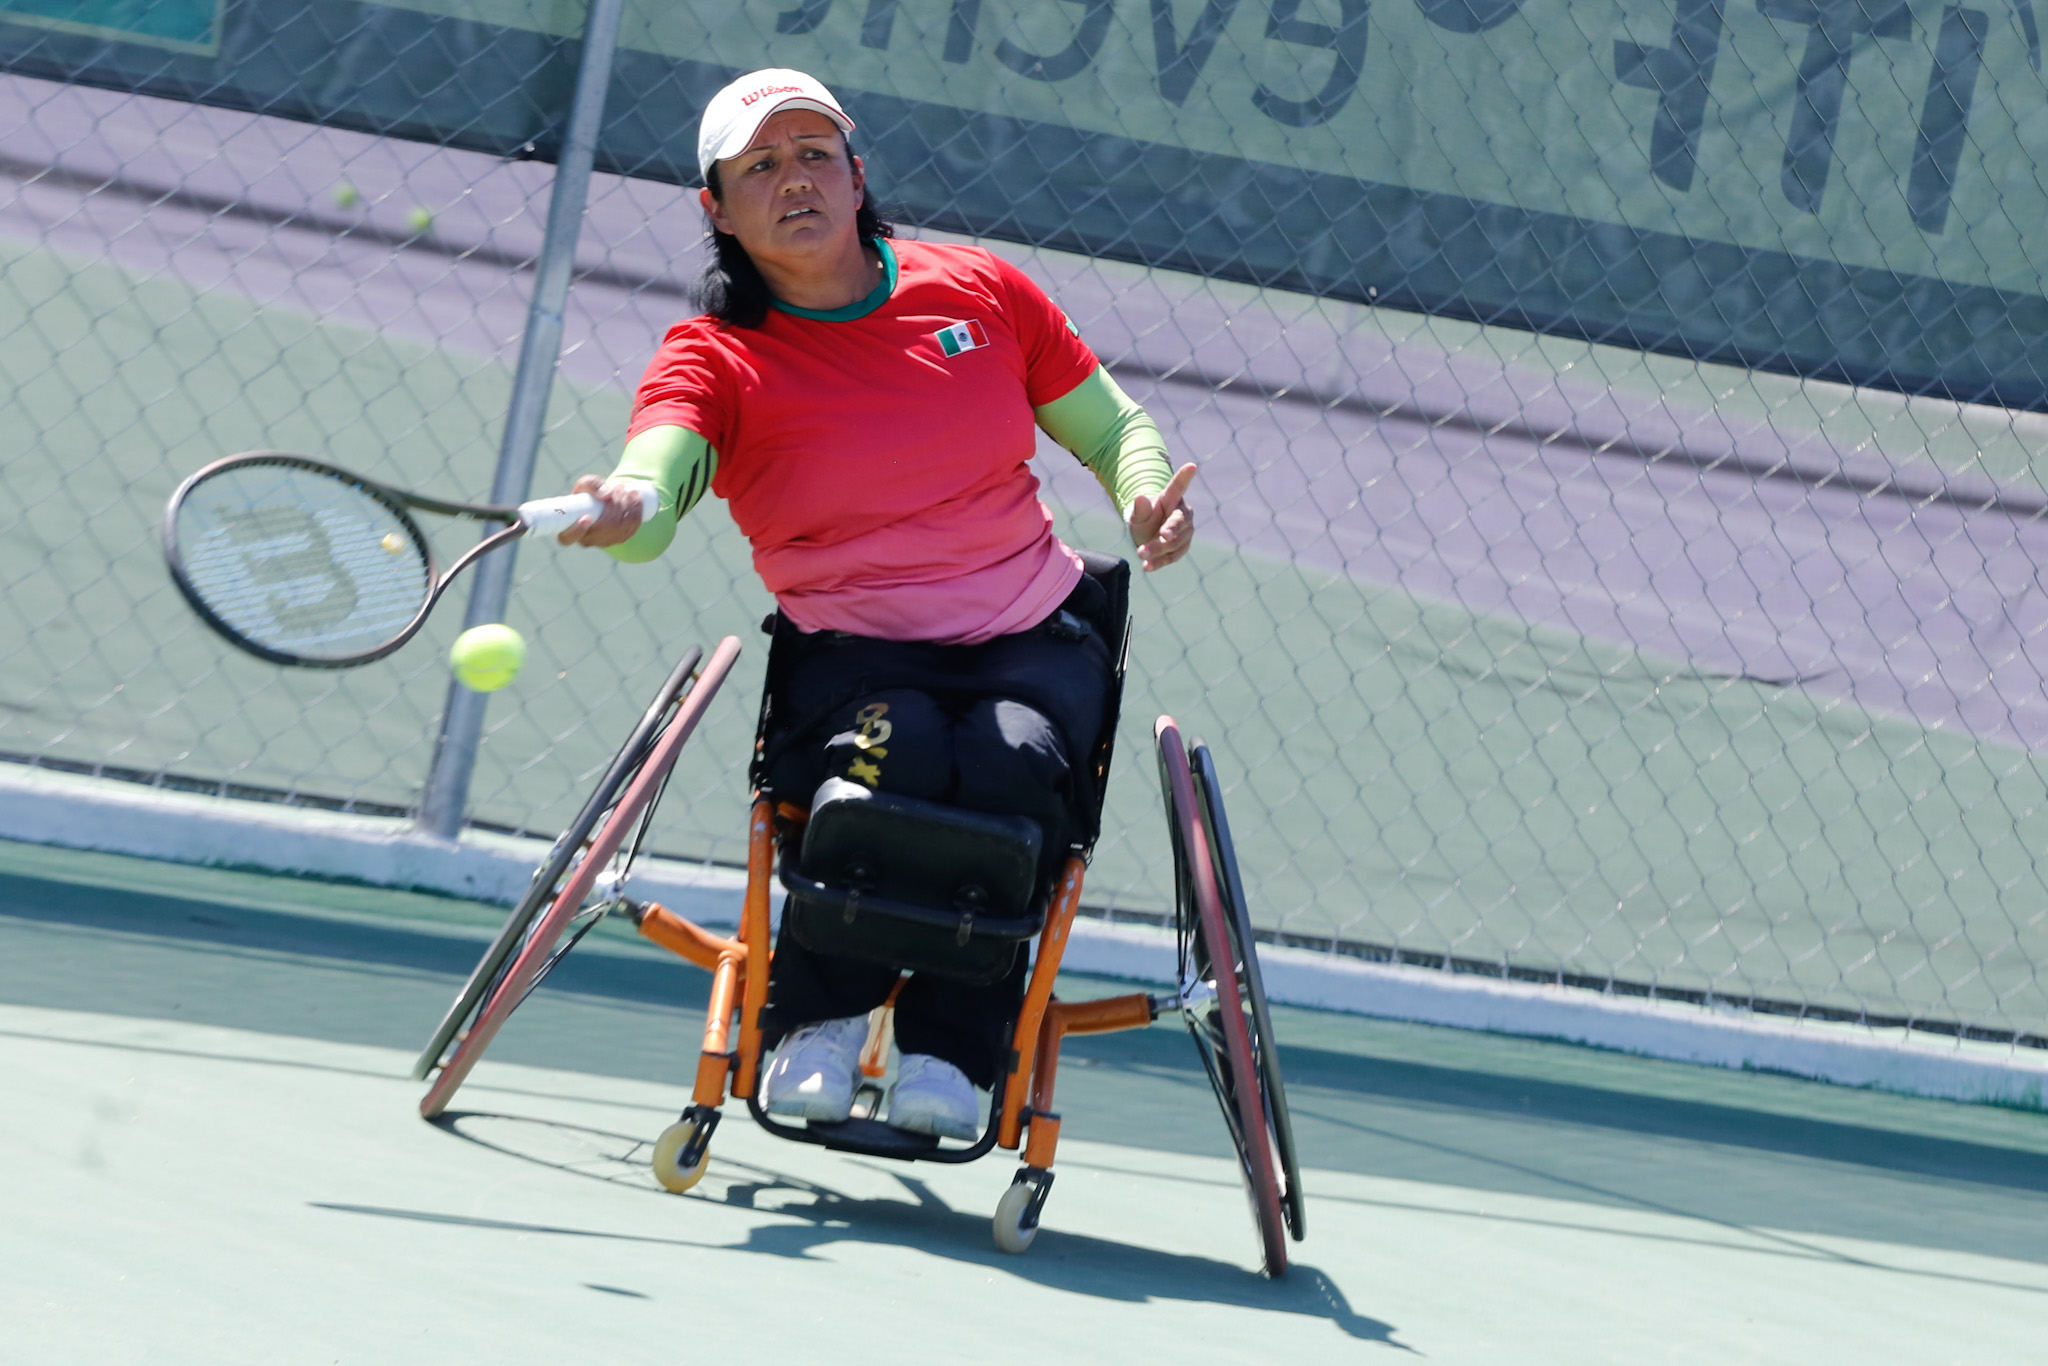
[(1560, 609)]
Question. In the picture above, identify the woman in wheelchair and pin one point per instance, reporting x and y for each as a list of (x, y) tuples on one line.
[(868, 409)]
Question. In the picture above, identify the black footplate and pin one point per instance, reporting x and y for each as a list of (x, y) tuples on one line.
[(873, 1138)]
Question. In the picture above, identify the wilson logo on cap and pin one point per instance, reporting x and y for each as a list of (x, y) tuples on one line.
[(961, 337)]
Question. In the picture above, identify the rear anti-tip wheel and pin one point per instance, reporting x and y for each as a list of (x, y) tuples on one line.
[(684, 1150)]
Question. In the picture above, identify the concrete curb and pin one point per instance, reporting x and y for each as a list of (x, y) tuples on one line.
[(1886, 1060), (41, 806)]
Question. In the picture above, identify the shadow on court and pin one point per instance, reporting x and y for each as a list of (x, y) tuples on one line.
[(811, 1216), (1369, 1098)]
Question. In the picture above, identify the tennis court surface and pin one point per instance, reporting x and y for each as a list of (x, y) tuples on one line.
[(210, 1154)]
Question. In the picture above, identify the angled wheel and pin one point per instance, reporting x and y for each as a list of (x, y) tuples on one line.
[(1244, 955), (578, 882), (563, 859), (1213, 971)]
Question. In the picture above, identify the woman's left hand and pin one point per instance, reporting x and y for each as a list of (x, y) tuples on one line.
[(1163, 527)]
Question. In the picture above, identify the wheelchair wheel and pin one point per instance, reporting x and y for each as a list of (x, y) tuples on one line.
[(1265, 1044), (578, 882), (566, 856), (1213, 969)]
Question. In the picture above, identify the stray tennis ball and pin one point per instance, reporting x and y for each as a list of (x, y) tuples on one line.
[(486, 658), (392, 542), (346, 196), (420, 220)]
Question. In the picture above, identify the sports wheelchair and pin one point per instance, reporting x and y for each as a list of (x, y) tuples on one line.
[(914, 885)]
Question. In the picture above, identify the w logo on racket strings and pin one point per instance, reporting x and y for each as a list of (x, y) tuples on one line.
[(960, 337)]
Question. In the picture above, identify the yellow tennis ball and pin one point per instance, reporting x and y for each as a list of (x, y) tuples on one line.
[(392, 542), (486, 658), (420, 220)]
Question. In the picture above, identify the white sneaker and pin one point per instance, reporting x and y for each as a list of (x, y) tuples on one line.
[(931, 1096), (816, 1070)]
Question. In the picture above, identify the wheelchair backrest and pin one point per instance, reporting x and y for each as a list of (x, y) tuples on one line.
[(1114, 574)]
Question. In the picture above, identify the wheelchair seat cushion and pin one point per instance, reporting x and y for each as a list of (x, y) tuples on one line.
[(913, 883)]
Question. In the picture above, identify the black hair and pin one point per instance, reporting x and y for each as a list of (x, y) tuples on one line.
[(731, 288)]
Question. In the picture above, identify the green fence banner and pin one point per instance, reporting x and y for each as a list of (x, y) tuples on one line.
[(1845, 189)]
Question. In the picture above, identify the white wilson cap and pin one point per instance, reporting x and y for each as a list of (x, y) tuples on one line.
[(737, 112)]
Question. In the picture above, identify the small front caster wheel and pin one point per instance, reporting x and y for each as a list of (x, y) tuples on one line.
[(1012, 1233), (669, 1150)]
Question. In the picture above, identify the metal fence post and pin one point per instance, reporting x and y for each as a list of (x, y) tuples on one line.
[(446, 793)]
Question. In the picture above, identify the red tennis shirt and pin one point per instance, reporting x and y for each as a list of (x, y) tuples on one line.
[(877, 457)]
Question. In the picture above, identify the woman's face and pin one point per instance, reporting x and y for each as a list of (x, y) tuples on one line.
[(792, 194)]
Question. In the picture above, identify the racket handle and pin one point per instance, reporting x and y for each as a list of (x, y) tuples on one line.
[(547, 516)]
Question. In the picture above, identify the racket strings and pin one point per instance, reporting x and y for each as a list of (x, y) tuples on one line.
[(302, 562)]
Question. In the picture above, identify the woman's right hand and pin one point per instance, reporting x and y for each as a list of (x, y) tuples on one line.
[(619, 520)]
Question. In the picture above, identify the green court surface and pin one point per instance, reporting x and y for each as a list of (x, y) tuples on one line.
[(209, 1153), (1402, 772)]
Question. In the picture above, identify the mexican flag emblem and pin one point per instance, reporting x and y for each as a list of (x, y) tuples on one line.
[(960, 337)]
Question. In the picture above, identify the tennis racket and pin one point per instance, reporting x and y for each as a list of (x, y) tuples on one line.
[(299, 562)]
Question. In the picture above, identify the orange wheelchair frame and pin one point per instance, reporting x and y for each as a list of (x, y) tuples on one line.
[(1220, 993), (730, 1062)]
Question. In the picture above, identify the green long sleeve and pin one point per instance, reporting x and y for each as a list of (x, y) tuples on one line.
[(1110, 434), (679, 463)]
